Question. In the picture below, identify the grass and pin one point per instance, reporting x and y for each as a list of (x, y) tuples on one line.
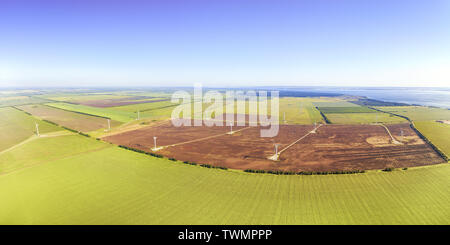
[(117, 186), (121, 116), (418, 113), (44, 149), (363, 118), (17, 126), (437, 133)]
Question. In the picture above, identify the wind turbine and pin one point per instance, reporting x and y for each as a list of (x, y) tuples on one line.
[(37, 129)]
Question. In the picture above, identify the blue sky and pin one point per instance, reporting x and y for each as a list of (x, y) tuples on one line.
[(225, 43)]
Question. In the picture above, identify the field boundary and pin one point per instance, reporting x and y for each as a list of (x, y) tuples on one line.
[(83, 113), (325, 118), (423, 137), (56, 124)]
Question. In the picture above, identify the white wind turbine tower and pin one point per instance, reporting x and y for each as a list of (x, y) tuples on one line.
[(37, 129), (231, 128), (109, 125), (138, 115), (275, 157)]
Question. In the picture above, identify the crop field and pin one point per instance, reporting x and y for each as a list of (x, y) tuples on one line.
[(335, 103), (117, 186), (120, 116), (82, 97), (341, 109), (120, 102), (46, 148), (72, 120), (20, 100), (438, 133), (298, 111), (363, 118), (16, 126), (331, 148), (418, 113)]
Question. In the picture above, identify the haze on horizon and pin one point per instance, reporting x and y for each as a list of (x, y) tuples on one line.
[(225, 43)]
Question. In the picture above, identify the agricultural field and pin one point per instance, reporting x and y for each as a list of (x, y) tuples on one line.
[(68, 119), (64, 178), (437, 132), (363, 118), (81, 97), (120, 116), (334, 103), (418, 113), (20, 100), (331, 148), (344, 112), (16, 126), (117, 186), (341, 109), (299, 111), (42, 149)]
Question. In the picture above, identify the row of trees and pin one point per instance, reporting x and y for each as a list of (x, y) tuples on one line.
[(280, 172)]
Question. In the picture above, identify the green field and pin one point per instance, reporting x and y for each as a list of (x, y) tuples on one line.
[(20, 100), (363, 118), (17, 126), (438, 133), (341, 109), (299, 111), (144, 106), (121, 116), (44, 149), (418, 113), (335, 103), (154, 110), (117, 186)]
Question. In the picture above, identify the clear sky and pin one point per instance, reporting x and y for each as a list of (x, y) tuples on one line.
[(225, 43)]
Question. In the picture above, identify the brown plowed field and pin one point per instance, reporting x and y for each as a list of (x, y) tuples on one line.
[(73, 120), (332, 147)]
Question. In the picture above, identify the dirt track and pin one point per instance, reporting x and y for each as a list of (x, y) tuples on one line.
[(333, 147)]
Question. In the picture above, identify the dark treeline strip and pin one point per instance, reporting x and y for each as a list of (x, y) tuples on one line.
[(140, 151), (87, 114), (372, 102), (171, 159), (387, 112), (435, 148), (17, 108), (325, 118), (280, 172), (158, 108)]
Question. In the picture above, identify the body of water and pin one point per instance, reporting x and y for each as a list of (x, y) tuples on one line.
[(439, 97)]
